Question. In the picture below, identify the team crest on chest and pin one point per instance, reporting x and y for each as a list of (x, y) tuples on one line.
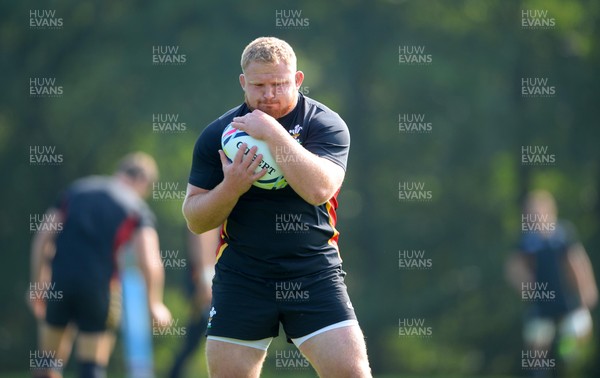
[(295, 133)]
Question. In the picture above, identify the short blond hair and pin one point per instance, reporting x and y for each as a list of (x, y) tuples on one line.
[(268, 50), (138, 165)]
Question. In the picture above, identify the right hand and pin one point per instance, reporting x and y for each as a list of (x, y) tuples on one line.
[(240, 173), (161, 314)]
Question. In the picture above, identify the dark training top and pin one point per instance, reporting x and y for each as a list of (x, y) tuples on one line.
[(549, 254), (100, 214), (275, 233)]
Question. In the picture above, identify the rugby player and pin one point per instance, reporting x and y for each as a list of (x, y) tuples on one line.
[(278, 260), (97, 217)]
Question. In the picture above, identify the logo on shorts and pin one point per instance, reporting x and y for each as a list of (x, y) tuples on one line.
[(212, 313)]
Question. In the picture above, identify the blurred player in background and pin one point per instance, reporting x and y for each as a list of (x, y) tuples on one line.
[(259, 267), (553, 273), (202, 251), (97, 217)]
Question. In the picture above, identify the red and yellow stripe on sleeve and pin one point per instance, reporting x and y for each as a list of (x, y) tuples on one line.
[(331, 205), (222, 244)]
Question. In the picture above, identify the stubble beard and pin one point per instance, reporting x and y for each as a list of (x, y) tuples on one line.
[(275, 113)]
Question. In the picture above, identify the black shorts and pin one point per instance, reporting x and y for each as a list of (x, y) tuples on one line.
[(92, 307), (250, 308)]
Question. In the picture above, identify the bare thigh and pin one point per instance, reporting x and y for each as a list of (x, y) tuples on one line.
[(56, 342), (227, 360), (340, 352), (95, 347)]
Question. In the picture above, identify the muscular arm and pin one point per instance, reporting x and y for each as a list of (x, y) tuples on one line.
[(203, 248), (581, 269), (42, 245), (314, 178), (204, 209), (207, 209), (202, 257), (147, 252), (42, 252)]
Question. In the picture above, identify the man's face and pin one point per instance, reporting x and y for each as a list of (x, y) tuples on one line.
[(543, 209), (271, 88)]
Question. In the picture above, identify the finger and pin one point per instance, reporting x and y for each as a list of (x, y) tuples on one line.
[(255, 165), (259, 174), (256, 162), (237, 125), (224, 159), (239, 122), (251, 157), (239, 156)]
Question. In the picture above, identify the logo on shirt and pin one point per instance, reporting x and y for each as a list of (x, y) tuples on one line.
[(295, 133)]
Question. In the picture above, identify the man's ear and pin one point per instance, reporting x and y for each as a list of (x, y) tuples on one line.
[(299, 78), (243, 81)]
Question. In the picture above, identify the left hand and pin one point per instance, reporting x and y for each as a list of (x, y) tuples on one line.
[(257, 124)]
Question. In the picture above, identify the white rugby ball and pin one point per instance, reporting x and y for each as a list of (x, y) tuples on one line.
[(231, 141)]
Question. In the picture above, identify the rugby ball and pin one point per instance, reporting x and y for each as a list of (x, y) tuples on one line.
[(232, 140)]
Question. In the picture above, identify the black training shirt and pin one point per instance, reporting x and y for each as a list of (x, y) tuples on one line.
[(275, 233)]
